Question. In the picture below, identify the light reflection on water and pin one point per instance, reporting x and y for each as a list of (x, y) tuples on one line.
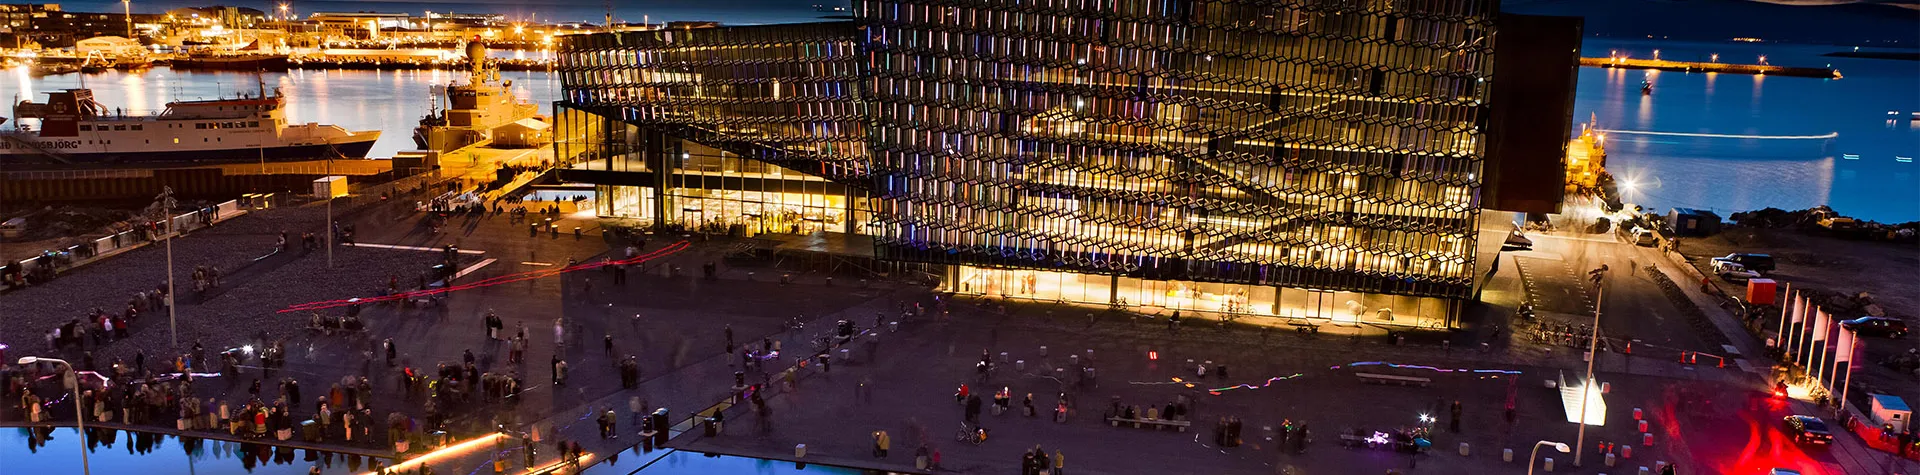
[(1729, 175), (127, 452)]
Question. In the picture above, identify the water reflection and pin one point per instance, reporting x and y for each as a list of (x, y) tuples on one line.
[(48, 450), (1730, 174), (680, 462)]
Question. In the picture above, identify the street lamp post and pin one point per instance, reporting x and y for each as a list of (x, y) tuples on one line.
[(127, 7), (1561, 446), (1593, 347), (79, 413), (166, 213)]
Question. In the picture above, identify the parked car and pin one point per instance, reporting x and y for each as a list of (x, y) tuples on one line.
[(1761, 263), (1645, 238), (1877, 326), (1732, 271), (1808, 430)]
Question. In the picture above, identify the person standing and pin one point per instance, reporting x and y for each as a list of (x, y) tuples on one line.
[(1454, 425), (390, 351), (607, 343), (729, 332), (559, 334), (881, 442)]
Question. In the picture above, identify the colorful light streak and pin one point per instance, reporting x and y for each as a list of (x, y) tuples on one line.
[(1270, 381), (505, 279), (442, 453), (1428, 368)]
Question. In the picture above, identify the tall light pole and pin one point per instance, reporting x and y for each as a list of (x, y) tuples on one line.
[(1561, 446), (127, 6), (1593, 347), (166, 213), (79, 414), (330, 228)]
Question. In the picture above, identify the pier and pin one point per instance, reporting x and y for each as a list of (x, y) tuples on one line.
[(1695, 66)]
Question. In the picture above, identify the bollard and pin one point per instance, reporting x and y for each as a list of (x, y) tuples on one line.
[(1073, 359), (1606, 387), (1643, 470), (1043, 350), (1020, 365), (1610, 460), (1547, 464), (1089, 355), (1638, 416), (1060, 373), (893, 327), (1646, 439), (1003, 357), (1643, 426), (845, 355), (1506, 455), (1659, 466), (1626, 451), (1463, 449), (799, 450)]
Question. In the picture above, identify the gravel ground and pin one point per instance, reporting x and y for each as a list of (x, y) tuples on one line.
[(243, 306)]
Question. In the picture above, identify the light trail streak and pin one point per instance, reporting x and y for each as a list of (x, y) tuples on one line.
[(1726, 136), (505, 279)]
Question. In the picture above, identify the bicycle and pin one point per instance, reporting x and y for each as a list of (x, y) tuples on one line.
[(972, 434)]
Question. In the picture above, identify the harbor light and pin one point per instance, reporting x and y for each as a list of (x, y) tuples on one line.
[(1715, 57), (1763, 59), (1656, 55)]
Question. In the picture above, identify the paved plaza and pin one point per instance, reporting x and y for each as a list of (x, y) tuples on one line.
[(901, 379)]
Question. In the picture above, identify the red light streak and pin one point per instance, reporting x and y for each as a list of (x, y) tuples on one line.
[(505, 279)]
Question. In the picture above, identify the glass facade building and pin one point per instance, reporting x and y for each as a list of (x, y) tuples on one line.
[(1300, 158)]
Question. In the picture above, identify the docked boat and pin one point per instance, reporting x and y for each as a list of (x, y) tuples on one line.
[(71, 127), (249, 58), (233, 62), (482, 111)]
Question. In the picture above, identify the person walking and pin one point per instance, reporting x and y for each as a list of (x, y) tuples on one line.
[(607, 421), (391, 353), (1454, 425), (881, 442), (729, 331)]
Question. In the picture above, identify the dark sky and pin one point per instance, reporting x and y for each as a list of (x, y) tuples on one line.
[(1849, 24)]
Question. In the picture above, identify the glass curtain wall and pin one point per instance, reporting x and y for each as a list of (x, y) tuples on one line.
[(1329, 145)]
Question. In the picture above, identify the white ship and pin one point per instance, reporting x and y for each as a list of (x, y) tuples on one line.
[(479, 111), (73, 128)]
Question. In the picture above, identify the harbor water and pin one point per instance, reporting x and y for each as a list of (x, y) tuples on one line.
[(1731, 142)]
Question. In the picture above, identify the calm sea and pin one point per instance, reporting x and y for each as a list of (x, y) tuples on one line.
[(1707, 170), (1728, 166)]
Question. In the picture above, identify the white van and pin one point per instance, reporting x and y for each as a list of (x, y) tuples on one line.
[(13, 228)]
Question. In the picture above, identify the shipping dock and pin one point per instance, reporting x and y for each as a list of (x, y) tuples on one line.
[(1699, 67)]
